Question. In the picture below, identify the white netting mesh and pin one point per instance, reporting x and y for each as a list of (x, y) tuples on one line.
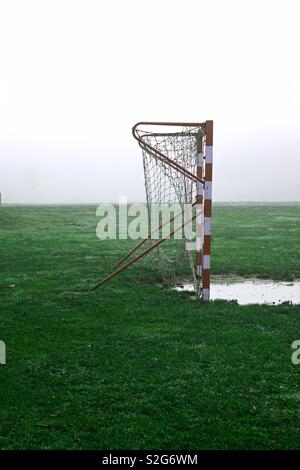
[(164, 184), (167, 184)]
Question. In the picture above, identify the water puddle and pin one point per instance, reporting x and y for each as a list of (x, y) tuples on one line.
[(253, 292)]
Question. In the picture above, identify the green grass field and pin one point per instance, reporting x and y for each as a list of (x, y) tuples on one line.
[(136, 366)]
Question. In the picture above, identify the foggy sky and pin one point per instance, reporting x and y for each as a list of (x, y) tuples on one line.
[(76, 75)]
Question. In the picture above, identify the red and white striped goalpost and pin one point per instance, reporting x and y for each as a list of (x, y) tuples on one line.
[(207, 210)]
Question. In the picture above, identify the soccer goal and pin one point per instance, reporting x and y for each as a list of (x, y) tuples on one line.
[(177, 161)]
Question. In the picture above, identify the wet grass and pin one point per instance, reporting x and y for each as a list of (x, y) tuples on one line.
[(261, 240), (136, 366)]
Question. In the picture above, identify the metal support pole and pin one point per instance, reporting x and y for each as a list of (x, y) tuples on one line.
[(207, 210)]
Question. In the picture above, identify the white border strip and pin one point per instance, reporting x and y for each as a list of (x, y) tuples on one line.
[(207, 225), (206, 262), (209, 154), (208, 190), (205, 294)]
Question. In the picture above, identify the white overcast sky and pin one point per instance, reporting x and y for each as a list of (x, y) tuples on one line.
[(76, 75)]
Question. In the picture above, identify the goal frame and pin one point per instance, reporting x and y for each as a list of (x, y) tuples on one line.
[(203, 180)]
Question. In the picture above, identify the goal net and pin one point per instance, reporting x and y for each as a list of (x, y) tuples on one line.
[(175, 173), (170, 160)]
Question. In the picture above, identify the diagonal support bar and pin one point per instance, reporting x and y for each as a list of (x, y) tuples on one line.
[(141, 255), (133, 250)]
